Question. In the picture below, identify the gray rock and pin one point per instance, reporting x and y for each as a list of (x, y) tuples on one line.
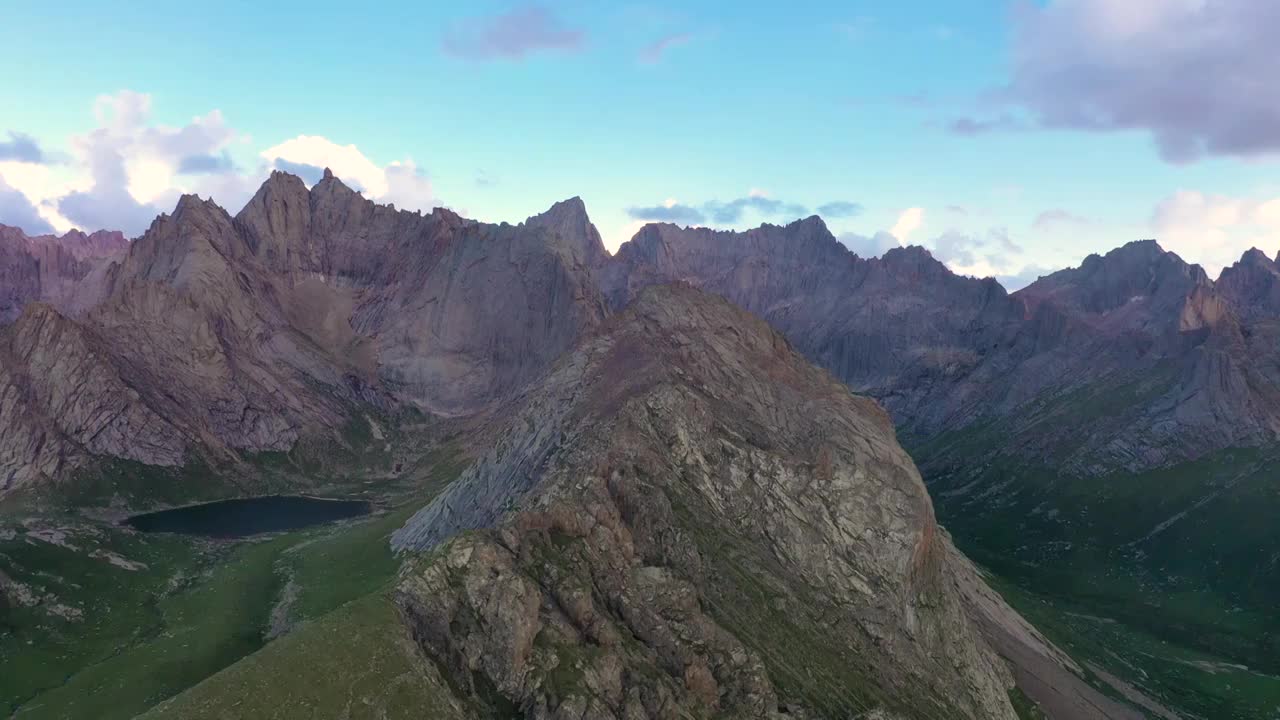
[(66, 271), (943, 352), (647, 490), (245, 333)]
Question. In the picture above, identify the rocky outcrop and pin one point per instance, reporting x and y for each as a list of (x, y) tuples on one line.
[(64, 398), (1252, 286), (685, 517), (65, 271)]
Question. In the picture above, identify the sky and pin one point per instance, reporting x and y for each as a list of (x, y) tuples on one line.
[(1011, 138)]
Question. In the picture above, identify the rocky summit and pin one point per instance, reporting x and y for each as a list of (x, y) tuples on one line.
[(684, 519)]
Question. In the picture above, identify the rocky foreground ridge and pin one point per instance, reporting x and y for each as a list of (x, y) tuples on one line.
[(687, 519)]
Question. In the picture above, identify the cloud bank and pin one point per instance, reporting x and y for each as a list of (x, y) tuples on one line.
[(1197, 75), (127, 169), (21, 148), (756, 203)]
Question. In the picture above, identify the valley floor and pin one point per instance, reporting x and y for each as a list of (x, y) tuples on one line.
[(112, 623), (98, 621), (1134, 576)]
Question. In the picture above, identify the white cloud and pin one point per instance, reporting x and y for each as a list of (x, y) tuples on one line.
[(408, 188), (123, 171), (1215, 230), (127, 169), (869, 246), (346, 161), (908, 222), (1196, 75), (613, 240), (400, 182), (42, 185)]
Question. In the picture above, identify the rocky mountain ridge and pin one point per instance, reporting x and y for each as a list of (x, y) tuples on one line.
[(309, 288), (684, 517), (245, 333), (945, 352)]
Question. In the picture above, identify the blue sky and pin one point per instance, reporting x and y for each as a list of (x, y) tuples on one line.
[(1010, 138)]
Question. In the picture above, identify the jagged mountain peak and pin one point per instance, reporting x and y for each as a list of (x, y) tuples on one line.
[(1149, 247), (572, 207), (81, 245), (279, 184), (1137, 271), (810, 224), (1256, 258), (568, 220), (193, 203), (331, 184), (911, 255), (67, 270), (1252, 285), (284, 178)]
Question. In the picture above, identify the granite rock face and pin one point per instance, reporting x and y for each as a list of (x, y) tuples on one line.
[(274, 322), (63, 397), (245, 333), (685, 517), (448, 313), (65, 271), (879, 324), (944, 352)]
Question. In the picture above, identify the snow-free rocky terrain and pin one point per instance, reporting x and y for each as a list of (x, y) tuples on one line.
[(667, 510)]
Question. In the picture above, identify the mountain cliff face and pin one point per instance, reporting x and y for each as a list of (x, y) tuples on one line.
[(62, 396), (65, 271), (871, 322), (1101, 438), (685, 518), (246, 333), (455, 312), (944, 352)]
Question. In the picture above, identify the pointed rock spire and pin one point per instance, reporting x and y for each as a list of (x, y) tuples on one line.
[(568, 220)]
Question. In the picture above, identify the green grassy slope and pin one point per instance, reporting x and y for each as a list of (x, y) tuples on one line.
[(102, 622), (1167, 579), (355, 663)]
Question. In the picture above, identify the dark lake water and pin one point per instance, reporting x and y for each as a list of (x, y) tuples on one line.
[(250, 516)]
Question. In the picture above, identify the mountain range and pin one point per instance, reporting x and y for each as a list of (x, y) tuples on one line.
[(662, 482), (321, 288)]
